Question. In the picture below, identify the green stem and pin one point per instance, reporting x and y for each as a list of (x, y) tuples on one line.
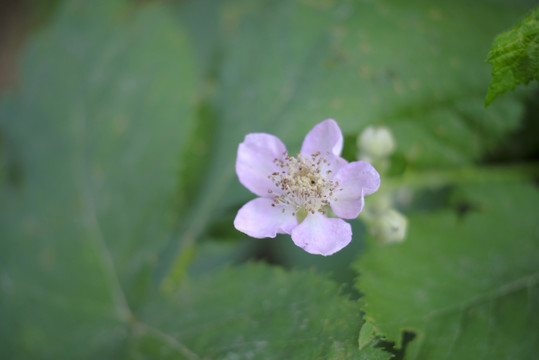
[(463, 175)]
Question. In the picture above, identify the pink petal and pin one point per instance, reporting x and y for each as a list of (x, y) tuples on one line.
[(318, 234), (357, 179), (334, 163), (348, 209), (324, 137), (255, 162), (259, 219)]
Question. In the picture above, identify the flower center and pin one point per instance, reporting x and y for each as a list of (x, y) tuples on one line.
[(305, 182)]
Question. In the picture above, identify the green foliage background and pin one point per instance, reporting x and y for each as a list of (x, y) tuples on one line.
[(118, 191)]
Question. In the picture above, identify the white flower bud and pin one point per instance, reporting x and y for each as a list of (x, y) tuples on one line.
[(376, 143), (391, 227)]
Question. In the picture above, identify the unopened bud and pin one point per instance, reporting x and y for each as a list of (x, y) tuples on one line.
[(376, 142), (391, 227)]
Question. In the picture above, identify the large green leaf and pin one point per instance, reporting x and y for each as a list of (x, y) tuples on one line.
[(467, 286), (96, 131), (253, 312)]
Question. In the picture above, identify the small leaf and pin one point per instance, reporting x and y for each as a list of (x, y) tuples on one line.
[(366, 334), (514, 57)]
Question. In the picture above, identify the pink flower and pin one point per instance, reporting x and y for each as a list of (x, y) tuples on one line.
[(296, 193)]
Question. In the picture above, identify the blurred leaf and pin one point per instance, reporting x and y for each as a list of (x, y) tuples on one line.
[(96, 130), (467, 287), (514, 56), (254, 312)]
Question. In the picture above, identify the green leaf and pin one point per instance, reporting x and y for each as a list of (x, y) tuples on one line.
[(96, 130), (514, 56), (253, 312), (367, 335), (466, 286)]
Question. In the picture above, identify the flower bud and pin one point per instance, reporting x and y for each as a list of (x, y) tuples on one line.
[(391, 227), (376, 143)]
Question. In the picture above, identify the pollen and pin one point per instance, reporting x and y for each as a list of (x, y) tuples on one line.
[(304, 182)]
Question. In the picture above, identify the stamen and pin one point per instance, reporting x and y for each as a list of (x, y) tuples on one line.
[(304, 182)]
